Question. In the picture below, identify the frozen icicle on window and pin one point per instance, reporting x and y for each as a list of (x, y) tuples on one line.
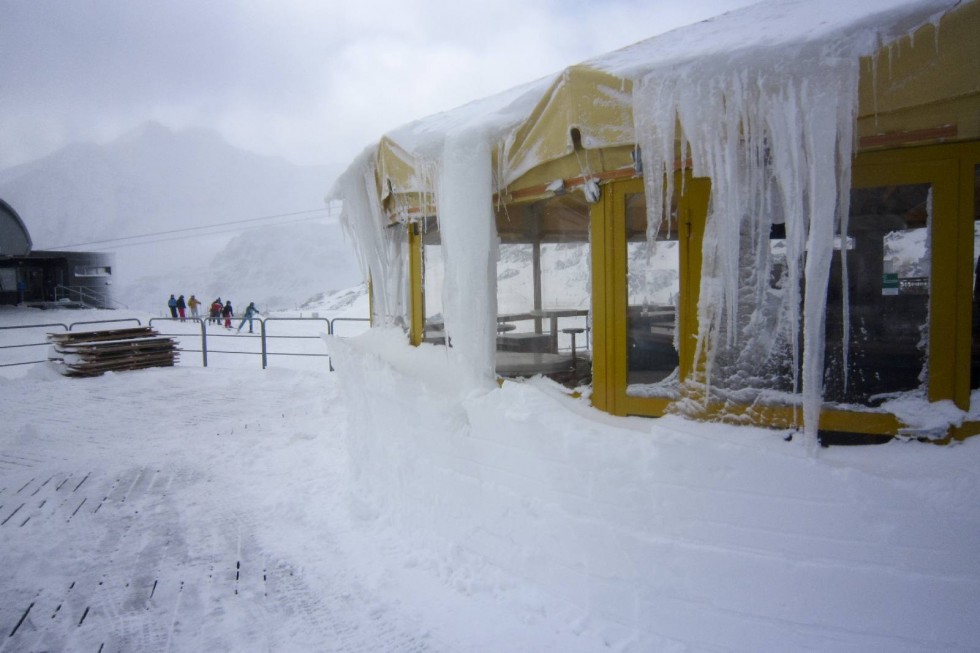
[(773, 132)]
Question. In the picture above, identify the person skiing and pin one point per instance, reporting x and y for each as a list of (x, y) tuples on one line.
[(181, 305), (172, 303), (227, 312), (250, 312), (192, 304)]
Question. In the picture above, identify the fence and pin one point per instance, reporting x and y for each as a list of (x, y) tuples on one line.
[(265, 350)]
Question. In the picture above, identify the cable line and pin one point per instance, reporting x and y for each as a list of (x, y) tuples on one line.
[(198, 228), (215, 233)]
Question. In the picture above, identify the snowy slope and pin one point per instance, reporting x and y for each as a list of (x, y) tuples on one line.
[(276, 267)]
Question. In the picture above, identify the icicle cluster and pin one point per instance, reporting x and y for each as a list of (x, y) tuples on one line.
[(774, 134), (380, 250)]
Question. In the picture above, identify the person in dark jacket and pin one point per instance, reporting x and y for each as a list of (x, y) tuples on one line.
[(227, 312), (181, 307)]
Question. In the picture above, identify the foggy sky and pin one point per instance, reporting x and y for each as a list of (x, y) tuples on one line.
[(314, 81)]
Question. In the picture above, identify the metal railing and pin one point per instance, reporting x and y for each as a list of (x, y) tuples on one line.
[(264, 337), (89, 297), (45, 343)]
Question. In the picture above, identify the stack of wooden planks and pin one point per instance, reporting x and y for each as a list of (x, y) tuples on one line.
[(92, 353)]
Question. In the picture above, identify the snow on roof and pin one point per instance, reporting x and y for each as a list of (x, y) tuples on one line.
[(847, 28), (840, 27)]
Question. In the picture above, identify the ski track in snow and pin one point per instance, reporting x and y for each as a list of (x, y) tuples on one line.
[(111, 544)]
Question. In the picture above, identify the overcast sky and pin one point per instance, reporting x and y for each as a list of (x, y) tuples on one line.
[(313, 81)]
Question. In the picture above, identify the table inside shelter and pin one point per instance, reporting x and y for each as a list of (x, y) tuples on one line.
[(512, 363), (553, 314)]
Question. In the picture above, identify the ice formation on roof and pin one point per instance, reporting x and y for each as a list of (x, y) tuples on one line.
[(765, 98)]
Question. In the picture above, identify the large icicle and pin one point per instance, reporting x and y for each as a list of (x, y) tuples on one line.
[(774, 135), (469, 247), (378, 246)]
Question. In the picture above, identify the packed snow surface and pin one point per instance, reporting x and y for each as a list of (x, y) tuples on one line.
[(383, 507)]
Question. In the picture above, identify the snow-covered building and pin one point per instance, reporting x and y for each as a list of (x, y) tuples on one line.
[(768, 217)]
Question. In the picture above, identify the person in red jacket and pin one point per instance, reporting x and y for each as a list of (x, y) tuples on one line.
[(215, 313)]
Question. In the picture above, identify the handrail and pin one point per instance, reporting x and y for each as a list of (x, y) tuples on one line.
[(37, 326), (126, 319), (204, 331), (202, 321), (33, 344), (265, 356), (86, 295)]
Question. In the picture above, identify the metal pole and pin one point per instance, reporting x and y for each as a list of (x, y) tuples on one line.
[(265, 351), (204, 341)]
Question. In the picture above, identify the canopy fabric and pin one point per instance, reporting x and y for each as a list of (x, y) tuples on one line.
[(585, 109)]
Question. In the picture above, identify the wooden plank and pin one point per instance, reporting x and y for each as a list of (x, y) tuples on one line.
[(93, 353)]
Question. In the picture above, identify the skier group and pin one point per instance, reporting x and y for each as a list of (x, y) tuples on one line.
[(217, 312)]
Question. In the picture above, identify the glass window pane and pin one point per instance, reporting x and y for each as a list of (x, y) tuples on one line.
[(433, 275), (975, 359), (543, 289), (888, 280), (653, 280)]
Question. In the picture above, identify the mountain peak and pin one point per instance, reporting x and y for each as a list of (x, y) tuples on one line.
[(149, 130)]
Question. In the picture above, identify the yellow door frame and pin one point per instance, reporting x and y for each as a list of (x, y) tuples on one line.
[(610, 291), (416, 299)]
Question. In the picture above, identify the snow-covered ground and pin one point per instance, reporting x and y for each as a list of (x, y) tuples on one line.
[(384, 507)]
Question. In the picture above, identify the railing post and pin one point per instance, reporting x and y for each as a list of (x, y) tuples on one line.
[(265, 351), (204, 341)]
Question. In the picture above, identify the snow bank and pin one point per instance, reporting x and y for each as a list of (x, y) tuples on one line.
[(666, 534)]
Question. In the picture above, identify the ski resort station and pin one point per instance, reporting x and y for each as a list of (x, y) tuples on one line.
[(764, 218), (49, 279)]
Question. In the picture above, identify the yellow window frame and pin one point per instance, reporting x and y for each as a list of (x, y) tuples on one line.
[(949, 169)]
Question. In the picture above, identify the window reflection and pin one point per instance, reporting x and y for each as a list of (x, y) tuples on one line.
[(653, 271), (888, 280), (543, 289)]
